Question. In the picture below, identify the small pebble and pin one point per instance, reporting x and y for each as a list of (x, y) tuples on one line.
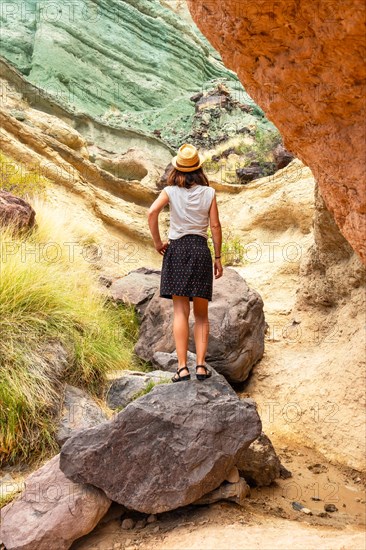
[(323, 515), (358, 499), (233, 476), (299, 507), (128, 523), (152, 518), (330, 508), (156, 529), (317, 468), (140, 524)]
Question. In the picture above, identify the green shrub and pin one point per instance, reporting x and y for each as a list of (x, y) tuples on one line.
[(264, 143), (231, 248)]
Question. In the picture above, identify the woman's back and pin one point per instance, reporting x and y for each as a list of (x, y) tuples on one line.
[(189, 209)]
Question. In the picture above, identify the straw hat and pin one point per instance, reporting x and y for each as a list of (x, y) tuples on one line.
[(187, 158)]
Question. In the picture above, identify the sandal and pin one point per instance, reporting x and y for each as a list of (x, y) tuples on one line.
[(203, 376), (178, 378)]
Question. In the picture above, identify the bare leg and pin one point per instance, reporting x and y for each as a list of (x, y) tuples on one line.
[(181, 329), (201, 330)]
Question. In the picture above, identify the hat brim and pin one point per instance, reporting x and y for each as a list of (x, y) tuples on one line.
[(188, 168)]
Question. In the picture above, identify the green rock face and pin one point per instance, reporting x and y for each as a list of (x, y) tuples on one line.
[(131, 64)]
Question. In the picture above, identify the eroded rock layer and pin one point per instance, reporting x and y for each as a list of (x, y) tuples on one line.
[(302, 62), (132, 64)]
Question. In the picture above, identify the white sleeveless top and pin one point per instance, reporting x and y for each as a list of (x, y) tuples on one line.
[(189, 209)]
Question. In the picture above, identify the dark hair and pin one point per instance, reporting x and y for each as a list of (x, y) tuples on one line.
[(187, 179)]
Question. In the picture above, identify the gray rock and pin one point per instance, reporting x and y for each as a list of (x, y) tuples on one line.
[(123, 390), (136, 288), (284, 472), (128, 523), (330, 508), (237, 328), (79, 411), (52, 511), (141, 523), (167, 448), (259, 463)]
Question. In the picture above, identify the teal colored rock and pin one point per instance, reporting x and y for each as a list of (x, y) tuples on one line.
[(132, 64)]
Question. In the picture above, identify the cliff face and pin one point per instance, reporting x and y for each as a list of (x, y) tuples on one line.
[(302, 62), (132, 64)]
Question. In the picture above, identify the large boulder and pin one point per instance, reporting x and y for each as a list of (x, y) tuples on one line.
[(52, 511), (16, 212), (237, 328), (167, 448)]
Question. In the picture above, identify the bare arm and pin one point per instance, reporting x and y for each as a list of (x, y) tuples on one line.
[(153, 221), (216, 235)]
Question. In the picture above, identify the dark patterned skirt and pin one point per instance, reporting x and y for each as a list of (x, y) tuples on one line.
[(187, 268)]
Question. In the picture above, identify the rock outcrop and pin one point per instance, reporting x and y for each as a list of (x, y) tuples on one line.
[(303, 63), (237, 328), (131, 64), (166, 449), (52, 511), (330, 270)]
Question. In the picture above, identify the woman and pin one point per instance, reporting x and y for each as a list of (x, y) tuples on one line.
[(187, 271)]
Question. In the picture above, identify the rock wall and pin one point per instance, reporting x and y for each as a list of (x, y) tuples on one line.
[(302, 62), (331, 272), (132, 64)]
